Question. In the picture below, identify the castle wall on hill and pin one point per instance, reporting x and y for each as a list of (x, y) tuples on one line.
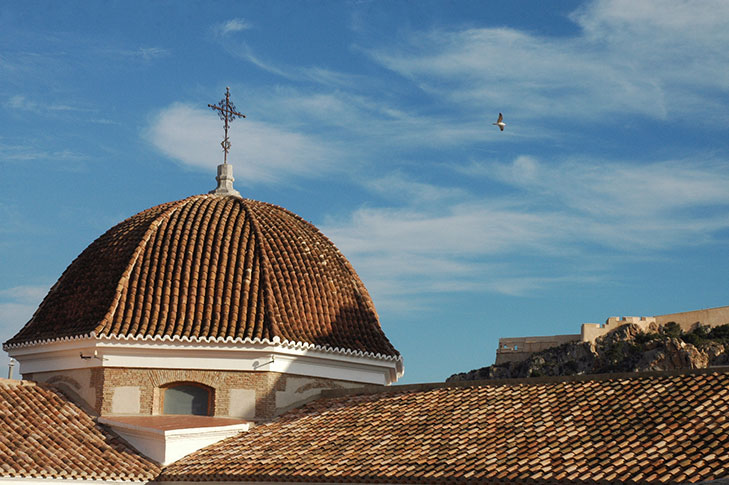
[(592, 331), (520, 348), (517, 349), (711, 317)]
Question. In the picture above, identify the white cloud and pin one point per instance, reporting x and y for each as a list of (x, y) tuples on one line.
[(25, 294), (260, 151), (455, 247), (150, 53), (146, 54), (625, 191), (645, 58), (454, 231), (20, 153), (13, 316), (366, 124), (470, 243), (316, 74), (243, 51), (16, 102), (233, 25), (398, 186), (21, 103), (17, 306), (565, 214), (328, 77)]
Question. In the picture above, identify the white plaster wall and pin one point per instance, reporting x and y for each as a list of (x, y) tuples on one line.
[(125, 400), (300, 388), (77, 380), (242, 403)]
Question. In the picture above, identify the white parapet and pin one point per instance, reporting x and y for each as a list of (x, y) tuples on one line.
[(159, 438)]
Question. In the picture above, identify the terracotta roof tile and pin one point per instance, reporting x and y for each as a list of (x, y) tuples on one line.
[(528, 432), (42, 435), (212, 267)]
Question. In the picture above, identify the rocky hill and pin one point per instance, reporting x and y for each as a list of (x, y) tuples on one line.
[(626, 349)]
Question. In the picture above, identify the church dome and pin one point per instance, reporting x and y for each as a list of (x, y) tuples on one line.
[(212, 268)]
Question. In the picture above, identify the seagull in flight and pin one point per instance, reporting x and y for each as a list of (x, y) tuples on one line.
[(500, 122)]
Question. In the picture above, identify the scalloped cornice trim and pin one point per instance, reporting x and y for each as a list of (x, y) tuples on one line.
[(276, 341), (30, 343)]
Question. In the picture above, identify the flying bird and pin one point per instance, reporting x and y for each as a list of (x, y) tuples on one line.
[(500, 122)]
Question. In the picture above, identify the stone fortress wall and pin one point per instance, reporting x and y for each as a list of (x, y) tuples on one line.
[(516, 349)]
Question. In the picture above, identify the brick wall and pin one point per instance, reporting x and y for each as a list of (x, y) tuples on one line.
[(103, 382)]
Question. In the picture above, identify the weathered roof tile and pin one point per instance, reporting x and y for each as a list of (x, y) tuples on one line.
[(518, 432), (212, 267), (42, 435)]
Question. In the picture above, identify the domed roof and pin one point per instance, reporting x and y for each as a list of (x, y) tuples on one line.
[(212, 267)]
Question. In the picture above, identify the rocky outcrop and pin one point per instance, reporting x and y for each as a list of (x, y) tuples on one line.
[(674, 354), (626, 349)]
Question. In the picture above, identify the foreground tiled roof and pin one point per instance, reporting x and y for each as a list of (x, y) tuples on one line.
[(658, 428), (42, 435), (212, 267)]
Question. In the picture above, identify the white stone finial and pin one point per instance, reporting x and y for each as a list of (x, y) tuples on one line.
[(225, 181)]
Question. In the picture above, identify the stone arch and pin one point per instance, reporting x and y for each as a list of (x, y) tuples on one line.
[(72, 389), (163, 377), (187, 397), (160, 379), (64, 381)]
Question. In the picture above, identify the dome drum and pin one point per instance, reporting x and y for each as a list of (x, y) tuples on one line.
[(208, 283)]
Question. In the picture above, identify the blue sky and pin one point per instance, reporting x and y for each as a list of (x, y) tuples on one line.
[(607, 194)]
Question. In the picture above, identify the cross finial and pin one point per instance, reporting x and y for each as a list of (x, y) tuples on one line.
[(226, 111)]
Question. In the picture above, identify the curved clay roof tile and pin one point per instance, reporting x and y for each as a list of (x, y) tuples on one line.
[(212, 267)]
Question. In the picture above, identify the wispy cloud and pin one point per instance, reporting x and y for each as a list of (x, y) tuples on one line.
[(151, 53), (398, 186), (17, 306), (104, 121), (558, 213), (616, 187), (21, 103), (369, 123), (24, 294), (244, 51), (20, 153), (323, 76), (232, 25), (562, 215), (637, 58), (262, 151), (331, 78), (143, 53)]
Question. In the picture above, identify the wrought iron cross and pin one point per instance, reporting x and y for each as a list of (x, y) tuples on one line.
[(226, 111)]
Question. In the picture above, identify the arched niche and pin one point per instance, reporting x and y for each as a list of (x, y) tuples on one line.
[(187, 398)]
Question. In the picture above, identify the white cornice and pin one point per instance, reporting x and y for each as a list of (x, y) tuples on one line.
[(258, 355), (206, 340)]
